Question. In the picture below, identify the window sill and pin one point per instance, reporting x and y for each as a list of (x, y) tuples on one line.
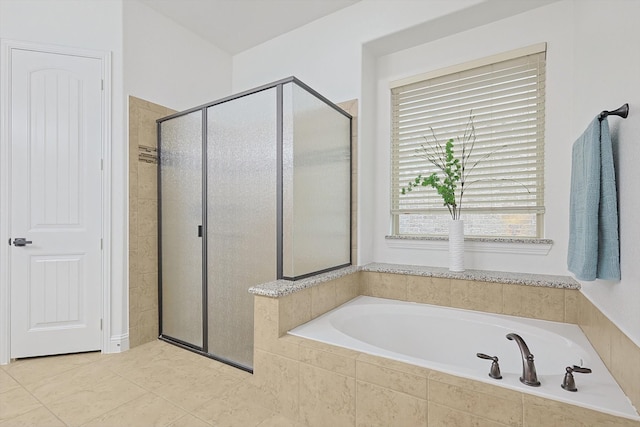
[(499, 245)]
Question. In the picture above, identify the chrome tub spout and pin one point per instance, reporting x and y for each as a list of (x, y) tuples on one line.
[(529, 375)]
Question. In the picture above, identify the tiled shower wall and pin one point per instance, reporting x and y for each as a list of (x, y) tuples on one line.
[(143, 220)]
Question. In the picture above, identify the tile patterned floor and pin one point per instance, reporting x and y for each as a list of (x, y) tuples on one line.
[(155, 384)]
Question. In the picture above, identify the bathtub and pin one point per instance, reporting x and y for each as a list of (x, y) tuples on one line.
[(447, 339)]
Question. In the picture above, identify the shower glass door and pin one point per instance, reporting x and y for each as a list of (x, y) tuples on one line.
[(180, 218), (241, 218)]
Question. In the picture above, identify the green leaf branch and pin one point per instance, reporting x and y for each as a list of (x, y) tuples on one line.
[(453, 175), (452, 170)]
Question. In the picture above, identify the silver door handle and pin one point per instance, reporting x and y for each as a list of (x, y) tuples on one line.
[(21, 241)]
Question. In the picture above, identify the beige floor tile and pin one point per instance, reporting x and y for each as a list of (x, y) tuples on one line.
[(16, 402), (188, 390), (147, 410), (221, 412), (7, 383), (38, 417), (279, 421), (95, 400), (189, 421), (76, 380), (29, 371)]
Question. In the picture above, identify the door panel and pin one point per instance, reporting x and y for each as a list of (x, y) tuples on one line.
[(56, 203)]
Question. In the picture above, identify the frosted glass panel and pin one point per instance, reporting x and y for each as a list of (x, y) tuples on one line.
[(241, 203), (317, 182), (181, 214)]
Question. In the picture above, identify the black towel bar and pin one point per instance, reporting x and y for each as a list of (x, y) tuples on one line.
[(622, 112)]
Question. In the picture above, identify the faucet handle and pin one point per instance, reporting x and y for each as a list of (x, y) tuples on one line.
[(569, 383), (494, 372), (579, 369)]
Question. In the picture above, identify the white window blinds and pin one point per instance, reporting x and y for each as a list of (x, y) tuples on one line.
[(506, 100)]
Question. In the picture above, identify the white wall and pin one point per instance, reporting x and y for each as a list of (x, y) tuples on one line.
[(169, 65), (326, 53), (95, 25), (354, 53), (606, 75)]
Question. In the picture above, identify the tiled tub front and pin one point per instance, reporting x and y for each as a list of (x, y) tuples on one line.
[(321, 384)]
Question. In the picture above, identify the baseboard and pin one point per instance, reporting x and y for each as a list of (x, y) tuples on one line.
[(118, 344)]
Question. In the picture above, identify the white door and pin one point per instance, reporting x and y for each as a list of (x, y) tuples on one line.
[(55, 138)]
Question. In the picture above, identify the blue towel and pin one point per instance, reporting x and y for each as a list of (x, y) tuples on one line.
[(594, 250)]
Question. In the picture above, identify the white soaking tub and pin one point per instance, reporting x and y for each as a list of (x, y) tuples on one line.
[(447, 339)]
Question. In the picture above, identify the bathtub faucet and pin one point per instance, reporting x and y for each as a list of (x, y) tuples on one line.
[(529, 375)]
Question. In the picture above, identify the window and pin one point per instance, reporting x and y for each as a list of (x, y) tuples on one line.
[(504, 197)]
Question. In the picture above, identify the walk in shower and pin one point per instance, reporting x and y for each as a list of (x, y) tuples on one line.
[(252, 188)]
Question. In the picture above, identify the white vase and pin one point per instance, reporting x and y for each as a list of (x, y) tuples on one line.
[(456, 245)]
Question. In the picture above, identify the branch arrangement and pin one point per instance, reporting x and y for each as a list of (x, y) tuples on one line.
[(452, 170)]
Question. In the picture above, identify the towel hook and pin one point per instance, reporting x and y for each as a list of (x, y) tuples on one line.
[(622, 112)]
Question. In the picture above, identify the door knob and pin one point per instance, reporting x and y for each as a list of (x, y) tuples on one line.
[(21, 241)]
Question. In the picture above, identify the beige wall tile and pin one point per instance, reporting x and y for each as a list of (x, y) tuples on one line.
[(539, 412), (444, 416), (135, 339), (148, 292), (294, 310), (133, 188), (147, 217), (414, 385), (133, 264), (278, 380), (147, 130), (335, 359), (266, 331), (429, 290), (494, 403), (379, 406), (571, 305), (596, 327), (147, 181), (625, 365), (265, 324), (532, 301), (384, 285), (323, 298), (148, 254), (395, 365), (481, 296), (326, 398), (147, 324), (347, 288)]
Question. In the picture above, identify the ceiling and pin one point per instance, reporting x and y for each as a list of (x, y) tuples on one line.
[(238, 25)]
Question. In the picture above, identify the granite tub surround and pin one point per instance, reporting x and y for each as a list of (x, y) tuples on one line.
[(280, 288), (552, 281)]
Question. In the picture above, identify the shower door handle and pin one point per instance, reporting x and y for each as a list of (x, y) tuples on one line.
[(199, 231)]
